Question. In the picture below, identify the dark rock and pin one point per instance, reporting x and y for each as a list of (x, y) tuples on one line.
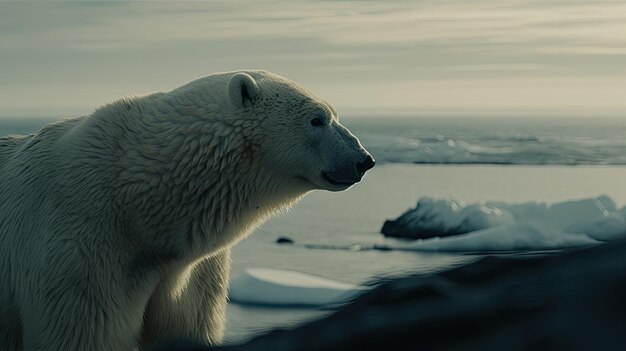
[(284, 240), (421, 223), (398, 229), (569, 301)]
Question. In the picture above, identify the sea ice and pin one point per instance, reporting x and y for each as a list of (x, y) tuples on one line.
[(450, 225), (510, 237), (265, 286), (433, 217)]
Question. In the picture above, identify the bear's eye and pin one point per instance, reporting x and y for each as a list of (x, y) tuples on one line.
[(316, 122)]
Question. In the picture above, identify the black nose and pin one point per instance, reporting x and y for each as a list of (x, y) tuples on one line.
[(366, 165)]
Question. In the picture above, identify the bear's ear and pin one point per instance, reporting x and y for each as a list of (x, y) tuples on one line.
[(242, 89)]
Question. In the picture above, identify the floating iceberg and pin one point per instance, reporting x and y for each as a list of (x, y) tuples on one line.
[(451, 225), (265, 286), (437, 218)]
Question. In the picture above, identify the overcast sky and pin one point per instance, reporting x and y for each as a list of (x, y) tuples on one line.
[(366, 57)]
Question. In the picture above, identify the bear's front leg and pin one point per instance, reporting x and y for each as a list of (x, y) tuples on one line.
[(81, 310), (190, 304), (76, 322)]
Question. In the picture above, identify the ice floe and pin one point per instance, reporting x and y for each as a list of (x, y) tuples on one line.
[(451, 225), (275, 287)]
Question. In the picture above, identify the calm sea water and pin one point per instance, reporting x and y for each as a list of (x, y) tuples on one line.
[(528, 141)]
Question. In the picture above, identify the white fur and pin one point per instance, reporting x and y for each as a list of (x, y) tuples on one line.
[(116, 228)]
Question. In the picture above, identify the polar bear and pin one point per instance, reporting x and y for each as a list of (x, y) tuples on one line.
[(116, 228)]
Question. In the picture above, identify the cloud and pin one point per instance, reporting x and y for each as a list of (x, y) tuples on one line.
[(378, 53)]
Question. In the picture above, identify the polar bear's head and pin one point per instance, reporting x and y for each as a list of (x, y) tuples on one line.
[(299, 134)]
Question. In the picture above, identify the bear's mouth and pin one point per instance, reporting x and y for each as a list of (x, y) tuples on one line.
[(332, 181)]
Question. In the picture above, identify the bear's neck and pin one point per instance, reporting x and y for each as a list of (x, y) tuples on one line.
[(195, 190)]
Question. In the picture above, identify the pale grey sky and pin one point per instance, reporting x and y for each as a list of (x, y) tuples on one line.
[(367, 57)]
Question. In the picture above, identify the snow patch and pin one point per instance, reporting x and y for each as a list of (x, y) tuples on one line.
[(265, 286)]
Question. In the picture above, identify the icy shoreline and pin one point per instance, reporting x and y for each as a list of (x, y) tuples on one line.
[(570, 301), (446, 225), (337, 235)]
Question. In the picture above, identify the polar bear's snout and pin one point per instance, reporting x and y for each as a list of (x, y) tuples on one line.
[(362, 160), (362, 167), (349, 161), (350, 175)]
